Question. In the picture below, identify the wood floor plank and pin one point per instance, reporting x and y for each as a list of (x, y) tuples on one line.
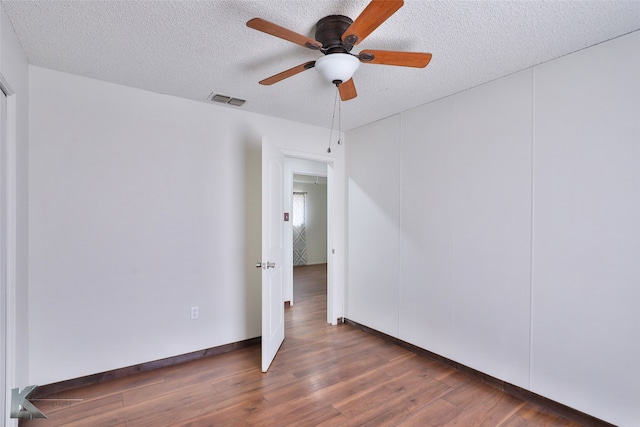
[(436, 413), (89, 412), (337, 421), (391, 401), (419, 365), (535, 415), (488, 409), (304, 411), (323, 375)]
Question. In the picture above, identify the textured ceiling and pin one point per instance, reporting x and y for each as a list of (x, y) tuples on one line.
[(193, 48)]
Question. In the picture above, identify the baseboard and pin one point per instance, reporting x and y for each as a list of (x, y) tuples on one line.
[(519, 392), (50, 389)]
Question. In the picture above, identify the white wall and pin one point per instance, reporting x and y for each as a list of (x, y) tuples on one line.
[(15, 71), (586, 255), (499, 228), (316, 221), (465, 228), (373, 203), (141, 206)]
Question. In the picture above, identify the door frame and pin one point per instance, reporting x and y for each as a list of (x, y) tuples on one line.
[(288, 259), (288, 185), (8, 240)]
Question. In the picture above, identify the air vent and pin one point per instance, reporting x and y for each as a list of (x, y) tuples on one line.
[(221, 98), (237, 102), (224, 99)]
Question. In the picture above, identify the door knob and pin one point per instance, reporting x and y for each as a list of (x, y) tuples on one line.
[(271, 265), (258, 265)]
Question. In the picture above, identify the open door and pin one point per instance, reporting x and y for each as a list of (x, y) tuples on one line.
[(272, 252)]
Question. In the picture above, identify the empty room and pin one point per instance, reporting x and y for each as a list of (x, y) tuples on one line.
[(479, 256)]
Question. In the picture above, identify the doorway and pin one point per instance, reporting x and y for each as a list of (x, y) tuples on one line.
[(310, 177), (278, 168), (277, 241), (309, 226)]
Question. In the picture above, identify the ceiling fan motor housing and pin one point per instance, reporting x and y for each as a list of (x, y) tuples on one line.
[(329, 31)]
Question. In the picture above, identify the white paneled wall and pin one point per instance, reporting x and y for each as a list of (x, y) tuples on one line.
[(492, 236), (427, 206), (586, 263), (515, 211), (373, 205)]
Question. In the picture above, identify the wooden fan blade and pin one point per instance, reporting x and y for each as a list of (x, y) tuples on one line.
[(284, 33), (371, 17), (288, 73), (347, 90), (389, 57)]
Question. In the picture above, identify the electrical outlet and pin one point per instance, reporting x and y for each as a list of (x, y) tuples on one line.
[(194, 313)]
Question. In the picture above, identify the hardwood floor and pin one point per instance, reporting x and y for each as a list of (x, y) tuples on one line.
[(323, 376)]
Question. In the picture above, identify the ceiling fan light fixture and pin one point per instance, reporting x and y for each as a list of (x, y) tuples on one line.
[(337, 67)]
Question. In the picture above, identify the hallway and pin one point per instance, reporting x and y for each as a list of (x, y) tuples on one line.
[(323, 375)]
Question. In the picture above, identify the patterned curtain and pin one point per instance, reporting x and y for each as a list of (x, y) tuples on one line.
[(299, 237)]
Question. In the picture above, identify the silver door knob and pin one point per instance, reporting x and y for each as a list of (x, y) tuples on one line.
[(258, 265), (271, 265)]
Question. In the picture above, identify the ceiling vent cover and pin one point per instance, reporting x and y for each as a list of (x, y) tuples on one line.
[(224, 99)]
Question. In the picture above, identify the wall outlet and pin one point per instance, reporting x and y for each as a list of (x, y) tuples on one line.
[(194, 313)]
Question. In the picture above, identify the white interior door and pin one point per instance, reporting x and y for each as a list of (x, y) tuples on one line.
[(272, 252)]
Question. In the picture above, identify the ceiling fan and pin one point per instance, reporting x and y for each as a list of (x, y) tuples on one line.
[(335, 36)]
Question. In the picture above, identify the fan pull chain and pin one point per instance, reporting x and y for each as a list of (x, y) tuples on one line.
[(339, 122), (335, 106)]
